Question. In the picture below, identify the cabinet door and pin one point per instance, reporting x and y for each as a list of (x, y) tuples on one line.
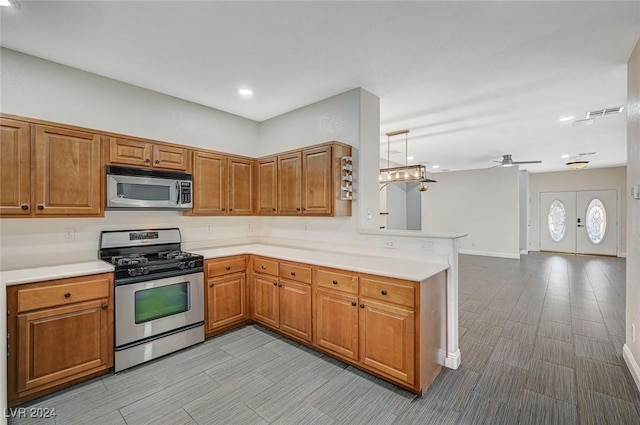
[(265, 299), (267, 186), (170, 157), (337, 323), (240, 193), (68, 172), (129, 152), (316, 181), (62, 343), (387, 339), (295, 309), (226, 301), (209, 177), (15, 168), (290, 184)]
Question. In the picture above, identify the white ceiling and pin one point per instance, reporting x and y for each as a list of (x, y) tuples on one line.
[(470, 80)]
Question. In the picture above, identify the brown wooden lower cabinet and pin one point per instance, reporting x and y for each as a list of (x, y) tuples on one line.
[(337, 323), (60, 332), (225, 292)]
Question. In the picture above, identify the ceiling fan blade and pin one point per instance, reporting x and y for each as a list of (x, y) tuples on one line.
[(526, 162), (499, 162)]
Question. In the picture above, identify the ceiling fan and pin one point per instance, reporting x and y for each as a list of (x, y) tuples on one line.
[(507, 161)]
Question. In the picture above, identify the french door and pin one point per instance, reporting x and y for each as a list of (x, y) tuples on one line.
[(579, 222)]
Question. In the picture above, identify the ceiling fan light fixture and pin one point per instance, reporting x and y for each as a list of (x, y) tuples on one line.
[(577, 165)]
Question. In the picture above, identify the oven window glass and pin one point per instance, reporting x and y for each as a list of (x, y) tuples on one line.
[(163, 301), (144, 192)]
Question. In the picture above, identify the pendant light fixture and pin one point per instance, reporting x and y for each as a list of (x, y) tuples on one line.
[(407, 174)]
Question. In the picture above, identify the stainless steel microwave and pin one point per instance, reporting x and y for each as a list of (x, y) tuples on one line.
[(138, 188)]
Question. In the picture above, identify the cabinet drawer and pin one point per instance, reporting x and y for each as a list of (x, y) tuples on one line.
[(224, 266), (266, 266), (383, 290), (340, 281), (296, 272), (62, 294)]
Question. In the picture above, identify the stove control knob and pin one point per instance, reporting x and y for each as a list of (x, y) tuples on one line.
[(192, 264), (145, 270), (132, 272), (182, 265)]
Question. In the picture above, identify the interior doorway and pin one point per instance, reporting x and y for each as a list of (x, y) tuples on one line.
[(579, 222)]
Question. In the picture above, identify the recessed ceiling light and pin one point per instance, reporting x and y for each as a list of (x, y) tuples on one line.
[(410, 158), (245, 92), (435, 167), (566, 118), (5, 3), (566, 155)]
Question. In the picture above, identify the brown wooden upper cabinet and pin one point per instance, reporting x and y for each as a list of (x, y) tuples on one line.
[(49, 171), (15, 168), (267, 186), (223, 185), (304, 182), (146, 154)]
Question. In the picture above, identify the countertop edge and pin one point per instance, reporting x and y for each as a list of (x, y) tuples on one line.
[(41, 274)]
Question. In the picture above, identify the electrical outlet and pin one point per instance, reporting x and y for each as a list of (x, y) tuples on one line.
[(426, 245), (305, 226), (390, 243), (69, 234), (209, 228), (249, 226)]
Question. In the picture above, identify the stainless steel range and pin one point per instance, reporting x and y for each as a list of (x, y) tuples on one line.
[(159, 294)]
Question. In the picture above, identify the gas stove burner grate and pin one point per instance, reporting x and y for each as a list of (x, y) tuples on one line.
[(126, 260), (173, 255)]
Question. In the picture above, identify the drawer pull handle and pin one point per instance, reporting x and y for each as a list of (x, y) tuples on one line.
[(335, 282), (353, 303), (228, 268), (24, 207), (384, 292), (361, 305), (263, 267), (40, 207), (293, 273), (67, 294), (105, 306)]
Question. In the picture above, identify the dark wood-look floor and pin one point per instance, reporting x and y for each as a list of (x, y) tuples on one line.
[(541, 342)]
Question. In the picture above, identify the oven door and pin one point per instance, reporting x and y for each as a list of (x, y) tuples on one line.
[(147, 309), (142, 192)]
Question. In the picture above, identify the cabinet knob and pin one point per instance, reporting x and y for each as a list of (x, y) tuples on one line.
[(223, 209), (273, 209), (304, 209), (105, 306), (293, 273), (67, 294), (263, 267), (353, 303), (280, 285), (361, 305), (230, 209), (148, 160), (383, 292), (275, 283), (40, 207), (297, 209), (157, 161), (24, 207), (335, 282), (228, 268), (211, 285)]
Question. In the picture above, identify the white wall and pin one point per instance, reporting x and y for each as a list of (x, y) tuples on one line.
[(523, 187), (586, 179), (482, 203), (631, 349), (37, 88)]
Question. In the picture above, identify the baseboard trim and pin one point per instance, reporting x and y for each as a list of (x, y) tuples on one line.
[(453, 360), (524, 251), (622, 255), (490, 254), (632, 364)]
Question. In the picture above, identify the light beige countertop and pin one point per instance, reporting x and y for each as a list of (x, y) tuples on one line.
[(38, 274), (383, 266)]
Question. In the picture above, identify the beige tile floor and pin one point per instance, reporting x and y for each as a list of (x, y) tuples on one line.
[(541, 342)]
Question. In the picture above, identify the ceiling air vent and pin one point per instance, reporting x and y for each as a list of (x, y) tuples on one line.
[(604, 112)]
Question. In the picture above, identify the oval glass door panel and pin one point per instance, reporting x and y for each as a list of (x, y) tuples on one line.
[(596, 221), (557, 221)]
